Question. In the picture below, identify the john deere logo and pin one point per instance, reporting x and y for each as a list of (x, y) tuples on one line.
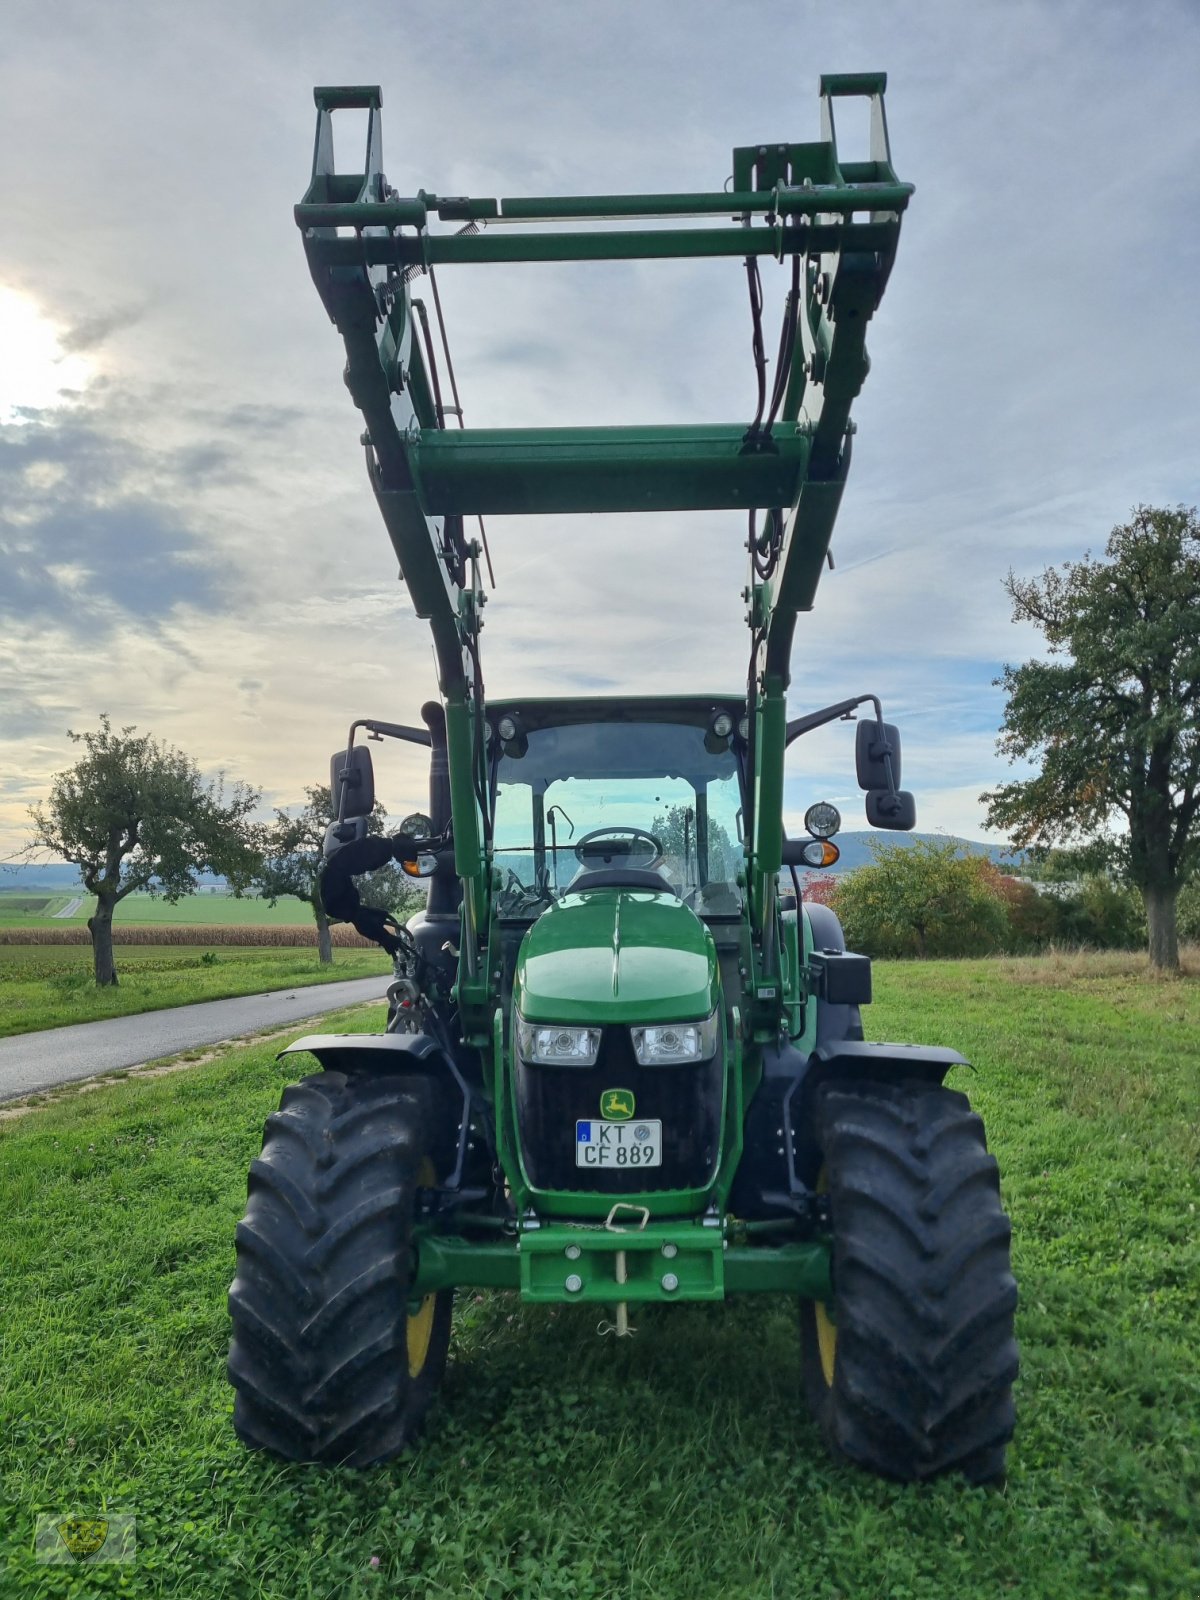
[(83, 1536), (617, 1104)]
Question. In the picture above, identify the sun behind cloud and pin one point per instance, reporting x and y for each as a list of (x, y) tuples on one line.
[(36, 372)]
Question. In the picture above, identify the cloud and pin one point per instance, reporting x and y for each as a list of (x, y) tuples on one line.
[(78, 536), (92, 331), (202, 508)]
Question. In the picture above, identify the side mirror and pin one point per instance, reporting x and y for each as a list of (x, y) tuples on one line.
[(352, 770), (888, 810), (869, 752)]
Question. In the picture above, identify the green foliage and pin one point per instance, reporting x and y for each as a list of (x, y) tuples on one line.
[(678, 824), (292, 859), (1100, 914), (1113, 719), (563, 1466), (135, 814), (1067, 900), (923, 899)]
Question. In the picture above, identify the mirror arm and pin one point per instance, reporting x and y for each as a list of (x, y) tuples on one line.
[(393, 730), (818, 719)]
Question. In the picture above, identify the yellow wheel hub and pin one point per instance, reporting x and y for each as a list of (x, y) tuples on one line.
[(826, 1327), (418, 1328), (418, 1331)]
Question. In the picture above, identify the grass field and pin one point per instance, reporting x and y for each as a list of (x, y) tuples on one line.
[(195, 909), (48, 986), (678, 1465)]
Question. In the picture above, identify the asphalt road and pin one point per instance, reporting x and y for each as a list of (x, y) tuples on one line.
[(30, 1062)]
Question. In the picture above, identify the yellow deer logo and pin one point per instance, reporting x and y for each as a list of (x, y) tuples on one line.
[(617, 1104)]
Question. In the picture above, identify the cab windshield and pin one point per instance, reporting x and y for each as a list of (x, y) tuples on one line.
[(638, 800)]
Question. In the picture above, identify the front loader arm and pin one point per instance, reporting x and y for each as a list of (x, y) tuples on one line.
[(836, 223)]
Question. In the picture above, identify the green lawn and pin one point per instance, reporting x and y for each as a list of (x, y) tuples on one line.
[(678, 1464), (201, 910), (46, 986)]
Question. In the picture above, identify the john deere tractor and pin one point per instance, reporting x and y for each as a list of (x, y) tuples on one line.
[(624, 1062)]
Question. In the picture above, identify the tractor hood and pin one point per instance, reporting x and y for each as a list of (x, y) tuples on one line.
[(617, 955)]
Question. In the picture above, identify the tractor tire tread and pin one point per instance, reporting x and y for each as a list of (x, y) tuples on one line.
[(924, 1295), (319, 1303)]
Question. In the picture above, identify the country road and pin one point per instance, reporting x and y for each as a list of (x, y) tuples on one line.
[(69, 910), (30, 1062)]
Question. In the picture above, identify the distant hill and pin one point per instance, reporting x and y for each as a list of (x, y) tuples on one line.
[(856, 852), (38, 875), (61, 875)]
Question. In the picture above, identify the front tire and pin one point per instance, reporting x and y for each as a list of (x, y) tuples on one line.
[(330, 1361), (909, 1371)]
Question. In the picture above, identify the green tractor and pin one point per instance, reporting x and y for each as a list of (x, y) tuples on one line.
[(624, 1062)]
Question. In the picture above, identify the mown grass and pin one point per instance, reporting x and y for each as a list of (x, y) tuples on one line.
[(48, 986), (678, 1464)]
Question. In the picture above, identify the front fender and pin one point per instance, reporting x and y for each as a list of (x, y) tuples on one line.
[(411, 1055), (781, 1155), (373, 1052)]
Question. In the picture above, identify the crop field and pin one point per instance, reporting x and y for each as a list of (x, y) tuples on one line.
[(193, 910), (676, 1465), (32, 910), (51, 985)]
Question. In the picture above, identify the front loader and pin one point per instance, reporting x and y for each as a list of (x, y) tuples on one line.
[(624, 1063)]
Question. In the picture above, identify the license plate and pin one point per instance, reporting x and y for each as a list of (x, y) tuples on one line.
[(618, 1144)]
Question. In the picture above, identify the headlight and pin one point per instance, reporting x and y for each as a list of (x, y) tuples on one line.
[(672, 1043), (553, 1046), (823, 820)]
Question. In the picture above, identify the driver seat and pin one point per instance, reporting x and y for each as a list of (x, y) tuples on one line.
[(619, 878)]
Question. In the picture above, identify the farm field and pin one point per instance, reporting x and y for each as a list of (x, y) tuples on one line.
[(31, 910), (193, 910), (678, 1465), (49, 986)]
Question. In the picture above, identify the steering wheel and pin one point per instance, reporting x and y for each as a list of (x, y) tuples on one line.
[(621, 848)]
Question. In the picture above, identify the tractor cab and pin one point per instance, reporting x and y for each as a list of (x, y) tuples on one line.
[(638, 795)]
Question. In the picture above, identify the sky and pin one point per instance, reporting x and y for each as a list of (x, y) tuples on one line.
[(187, 538)]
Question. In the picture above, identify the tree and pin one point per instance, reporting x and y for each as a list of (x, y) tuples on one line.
[(1114, 722), (675, 830), (136, 814), (817, 888), (922, 898), (292, 857)]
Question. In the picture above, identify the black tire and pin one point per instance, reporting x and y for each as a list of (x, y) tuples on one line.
[(923, 1357), (327, 1362)]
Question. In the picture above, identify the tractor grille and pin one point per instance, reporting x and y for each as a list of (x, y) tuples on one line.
[(685, 1099)]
